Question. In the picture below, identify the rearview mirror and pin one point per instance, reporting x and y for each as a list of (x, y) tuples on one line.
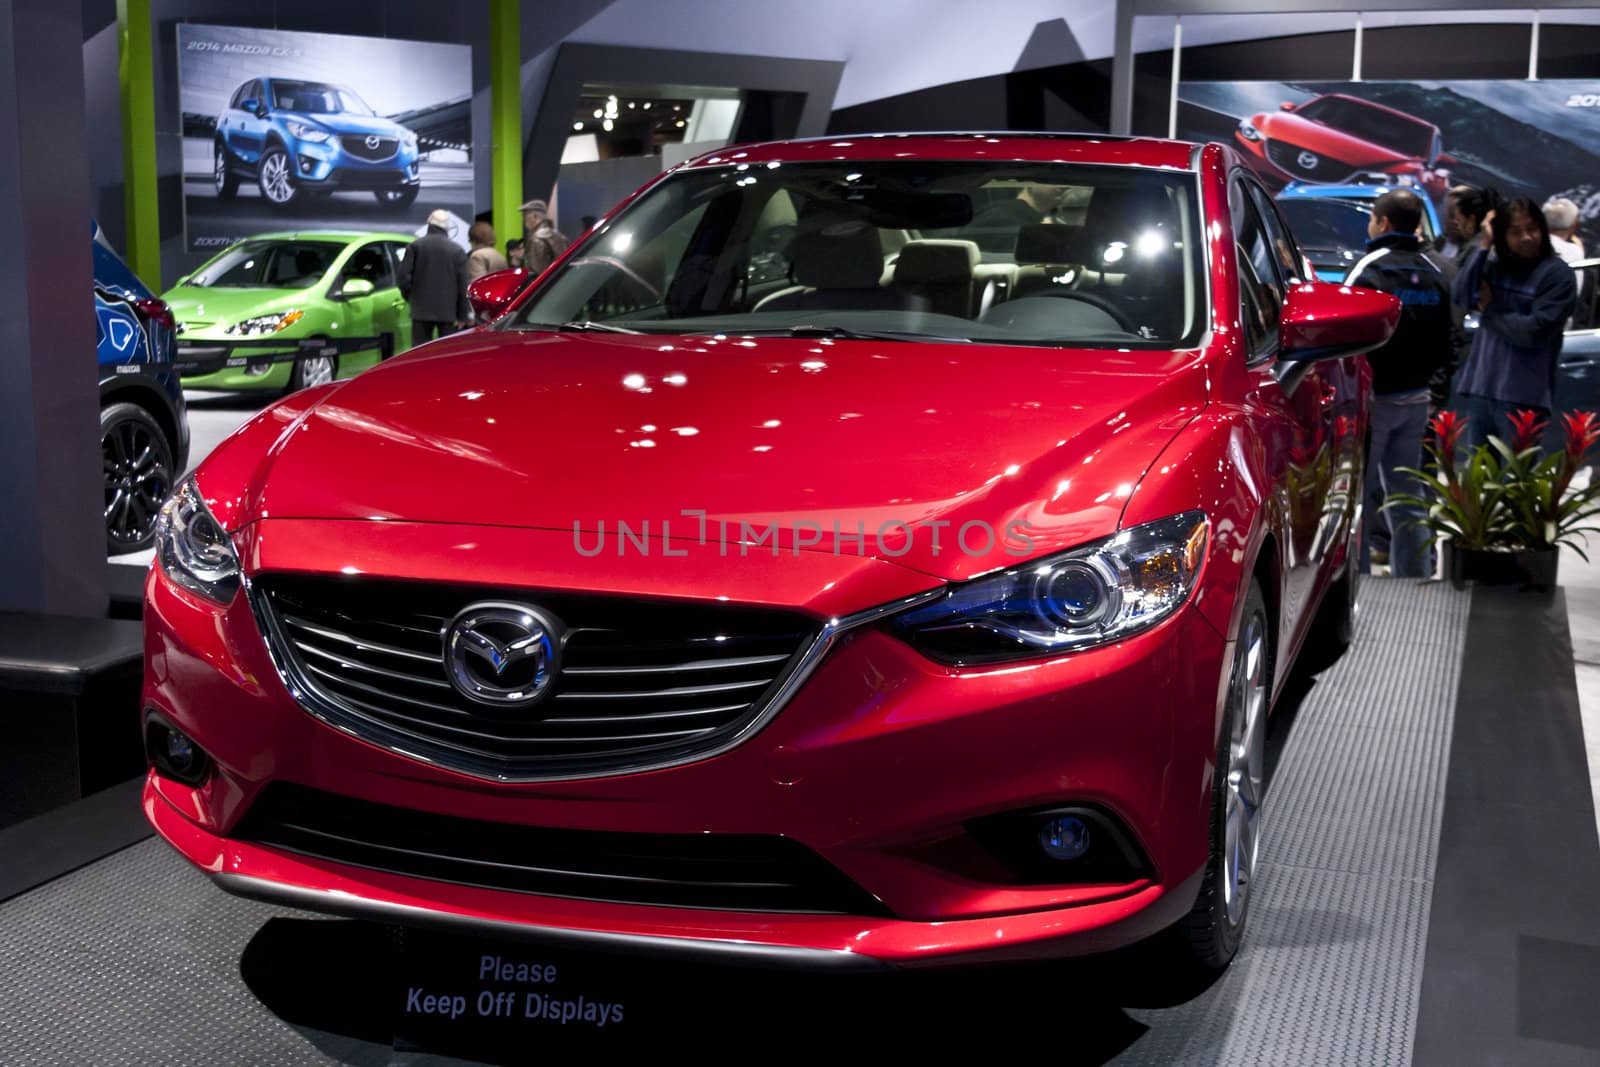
[(1326, 321), (355, 287), (492, 294)]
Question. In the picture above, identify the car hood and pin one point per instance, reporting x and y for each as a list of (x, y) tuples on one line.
[(579, 433), (199, 308), (347, 123), (1326, 140)]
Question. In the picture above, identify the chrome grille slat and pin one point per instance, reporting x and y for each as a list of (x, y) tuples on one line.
[(357, 642), (366, 668), (697, 665), (367, 655), (680, 691)]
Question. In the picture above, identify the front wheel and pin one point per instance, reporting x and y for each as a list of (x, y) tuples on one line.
[(1210, 935), (402, 197), (137, 473), (313, 370), (276, 178)]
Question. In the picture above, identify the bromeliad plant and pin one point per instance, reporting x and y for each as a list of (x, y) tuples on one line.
[(1507, 496)]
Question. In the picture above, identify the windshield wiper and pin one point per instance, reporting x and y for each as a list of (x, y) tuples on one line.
[(584, 326), (845, 333)]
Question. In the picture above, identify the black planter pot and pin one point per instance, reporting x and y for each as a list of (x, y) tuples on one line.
[(1527, 567)]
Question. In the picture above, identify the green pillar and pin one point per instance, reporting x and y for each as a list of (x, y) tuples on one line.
[(137, 75), (505, 108)]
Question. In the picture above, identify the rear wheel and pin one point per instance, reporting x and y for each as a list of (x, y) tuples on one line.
[(137, 474), (222, 175), (1210, 935)]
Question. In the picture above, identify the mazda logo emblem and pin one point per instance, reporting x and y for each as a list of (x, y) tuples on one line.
[(373, 141), (503, 655), (1308, 160)]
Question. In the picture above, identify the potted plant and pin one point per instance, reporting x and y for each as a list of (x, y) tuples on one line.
[(1502, 513)]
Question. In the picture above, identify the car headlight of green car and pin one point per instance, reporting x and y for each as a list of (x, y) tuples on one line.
[(262, 325)]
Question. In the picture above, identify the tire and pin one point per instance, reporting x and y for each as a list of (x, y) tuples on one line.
[(275, 176), (401, 197), (137, 474), (223, 178), (313, 370), (1209, 936)]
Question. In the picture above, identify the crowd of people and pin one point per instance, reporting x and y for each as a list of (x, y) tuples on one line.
[(435, 273), (1508, 262)]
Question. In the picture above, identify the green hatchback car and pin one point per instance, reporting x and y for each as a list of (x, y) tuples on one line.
[(290, 310)]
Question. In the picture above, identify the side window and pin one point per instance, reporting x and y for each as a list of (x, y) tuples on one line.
[(1260, 289), (397, 252), (1285, 251), (238, 95), (371, 263)]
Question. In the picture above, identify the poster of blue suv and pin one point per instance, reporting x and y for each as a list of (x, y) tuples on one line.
[(294, 131), (1521, 138)]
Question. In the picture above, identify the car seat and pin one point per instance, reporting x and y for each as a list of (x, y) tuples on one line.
[(837, 260), (941, 273)]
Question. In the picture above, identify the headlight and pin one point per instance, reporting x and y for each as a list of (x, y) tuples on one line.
[(265, 324), (1089, 596), (1248, 131), (410, 138), (306, 132), (194, 549)]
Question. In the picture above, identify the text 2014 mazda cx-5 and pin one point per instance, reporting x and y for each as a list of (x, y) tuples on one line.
[(784, 575)]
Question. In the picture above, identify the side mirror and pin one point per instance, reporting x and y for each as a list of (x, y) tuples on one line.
[(492, 294), (1322, 320), (251, 104), (1286, 106), (354, 287)]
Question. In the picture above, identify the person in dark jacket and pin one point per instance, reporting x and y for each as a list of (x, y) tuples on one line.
[(433, 277), (1396, 263), (1524, 294), (1465, 209)]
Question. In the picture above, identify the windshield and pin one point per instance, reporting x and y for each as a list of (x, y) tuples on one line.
[(1007, 253), (1326, 224), (269, 265), (1373, 124), (316, 98)]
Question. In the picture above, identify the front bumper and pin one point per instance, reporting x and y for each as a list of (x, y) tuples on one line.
[(329, 166), (876, 765)]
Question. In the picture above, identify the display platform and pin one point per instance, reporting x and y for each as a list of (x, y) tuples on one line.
[(1427, 894)]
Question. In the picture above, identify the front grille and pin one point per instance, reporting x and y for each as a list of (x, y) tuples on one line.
[(641, 683), (738, 872), (356, 145), (1286, 157)]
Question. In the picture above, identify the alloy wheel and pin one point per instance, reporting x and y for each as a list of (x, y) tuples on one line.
[(275, 184), (219, 171), (1246, 769), (136, 481), (316, 370)]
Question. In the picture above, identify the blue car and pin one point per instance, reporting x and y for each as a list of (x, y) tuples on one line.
[(298, 139), (1330, 222), (144, 427)]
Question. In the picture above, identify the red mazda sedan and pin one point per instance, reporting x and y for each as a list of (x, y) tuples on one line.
[(879, 550)]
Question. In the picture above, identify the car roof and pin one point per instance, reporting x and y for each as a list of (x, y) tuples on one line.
[(340, 235), (1007, 146)]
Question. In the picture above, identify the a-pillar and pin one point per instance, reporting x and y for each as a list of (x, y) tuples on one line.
[(52, 534)]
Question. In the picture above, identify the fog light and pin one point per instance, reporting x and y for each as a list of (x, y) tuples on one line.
[(175, 754), (1064, 837)]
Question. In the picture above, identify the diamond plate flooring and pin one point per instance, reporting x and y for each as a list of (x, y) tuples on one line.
[(137, 959)]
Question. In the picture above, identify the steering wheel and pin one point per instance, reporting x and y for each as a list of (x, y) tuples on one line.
[(1092, 300)]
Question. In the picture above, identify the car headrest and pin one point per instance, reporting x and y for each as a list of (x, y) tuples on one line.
[(936, 262), (836, 251), (1053, 243)]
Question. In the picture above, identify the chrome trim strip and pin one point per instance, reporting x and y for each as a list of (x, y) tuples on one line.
[(405, 743), (345, 661), (649, 716), (357, 642), (341, 903), (695, 665), (679, 691)]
